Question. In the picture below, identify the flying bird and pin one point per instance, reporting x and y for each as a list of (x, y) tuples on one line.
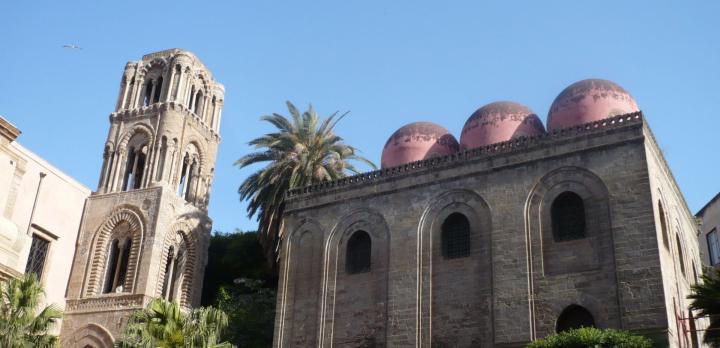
[(72, 47)]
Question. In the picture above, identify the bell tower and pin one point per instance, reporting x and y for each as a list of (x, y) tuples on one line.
[(145, 231)]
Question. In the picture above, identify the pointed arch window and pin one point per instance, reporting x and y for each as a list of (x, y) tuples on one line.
[(359, 252), (148, 93), (574, 317), (680, 256), (117, 265), (455, 236), (158, 85), (568, 217), (663, 225)]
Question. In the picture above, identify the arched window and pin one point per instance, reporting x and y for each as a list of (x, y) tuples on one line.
[(111, 266), (455, 236), (197, 109), (183, 175), (148, 93), (191, 98), (119, 256), (176, 81), (574, 317), (359, 251), (169, 264), (663, 225), (135, 166), (158, 89), (681, 258), (568, 217)]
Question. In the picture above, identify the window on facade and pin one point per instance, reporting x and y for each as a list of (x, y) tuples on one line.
[(568, 217), (38, 253), (183, 176), (681, 257), (134, 167), (111, 266), (359, 251), (169, 264), (663, 225), (713, 247), (158, 89), (455, 236), (198, 103), (574, 317), (148, 93), (117, 264)]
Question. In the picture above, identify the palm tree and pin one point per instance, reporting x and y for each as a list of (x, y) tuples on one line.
[(21, 325), (706, 300), (303, 151), (164, 324)]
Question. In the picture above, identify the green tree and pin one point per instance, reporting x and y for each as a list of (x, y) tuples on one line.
[(304, 150), (232, 256), (706, 300), (592, 337), (164, 324), (21, 325), (250, 305)]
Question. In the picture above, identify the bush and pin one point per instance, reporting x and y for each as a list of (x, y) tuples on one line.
[(592, 337)]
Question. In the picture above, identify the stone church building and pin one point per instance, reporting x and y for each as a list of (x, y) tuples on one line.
[(145, 231), (513, 233)]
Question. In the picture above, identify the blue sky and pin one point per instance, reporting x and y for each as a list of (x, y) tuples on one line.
[(387, 62)]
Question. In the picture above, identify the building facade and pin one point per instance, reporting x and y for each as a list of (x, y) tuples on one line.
[(41, 211), (506, 236), (145, 231), (709, 238)]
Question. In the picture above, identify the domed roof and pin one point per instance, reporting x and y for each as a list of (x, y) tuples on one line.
[(587, 101), (497, 122), (417, 141)]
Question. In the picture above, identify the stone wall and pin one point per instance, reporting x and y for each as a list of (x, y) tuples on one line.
[(517, 279)]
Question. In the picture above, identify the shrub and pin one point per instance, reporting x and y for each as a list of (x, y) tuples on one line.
[(592, 337)]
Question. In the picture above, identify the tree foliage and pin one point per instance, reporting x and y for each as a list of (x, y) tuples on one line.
[(706, 300), (164, 324), (592, 337), (304, 150), (232, 256), (21, 324), (251, 309)]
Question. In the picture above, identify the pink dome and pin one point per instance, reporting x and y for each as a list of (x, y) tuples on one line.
[(587, 101), (497, 122), (417, 141)]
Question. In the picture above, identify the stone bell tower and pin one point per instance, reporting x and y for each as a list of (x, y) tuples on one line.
[(145, 232)]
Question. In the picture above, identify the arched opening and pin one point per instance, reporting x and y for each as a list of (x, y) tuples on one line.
[(680, 256), (148, 93), (169, 265), (135, 167), (663, 225), (197, 109), (455, 236), (158, 89), (176, 82), (183, 175), (568, 217), (112, 266), (359, 252), (574, 317)]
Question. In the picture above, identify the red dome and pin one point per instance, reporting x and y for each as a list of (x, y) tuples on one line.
[(587, 101), (497, 122), (417, 141)]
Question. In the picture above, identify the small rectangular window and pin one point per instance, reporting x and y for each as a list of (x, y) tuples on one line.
[(38, 254), (714, 247)]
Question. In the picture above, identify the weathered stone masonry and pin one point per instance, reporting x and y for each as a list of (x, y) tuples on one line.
[(145, 231), (516, 279)]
